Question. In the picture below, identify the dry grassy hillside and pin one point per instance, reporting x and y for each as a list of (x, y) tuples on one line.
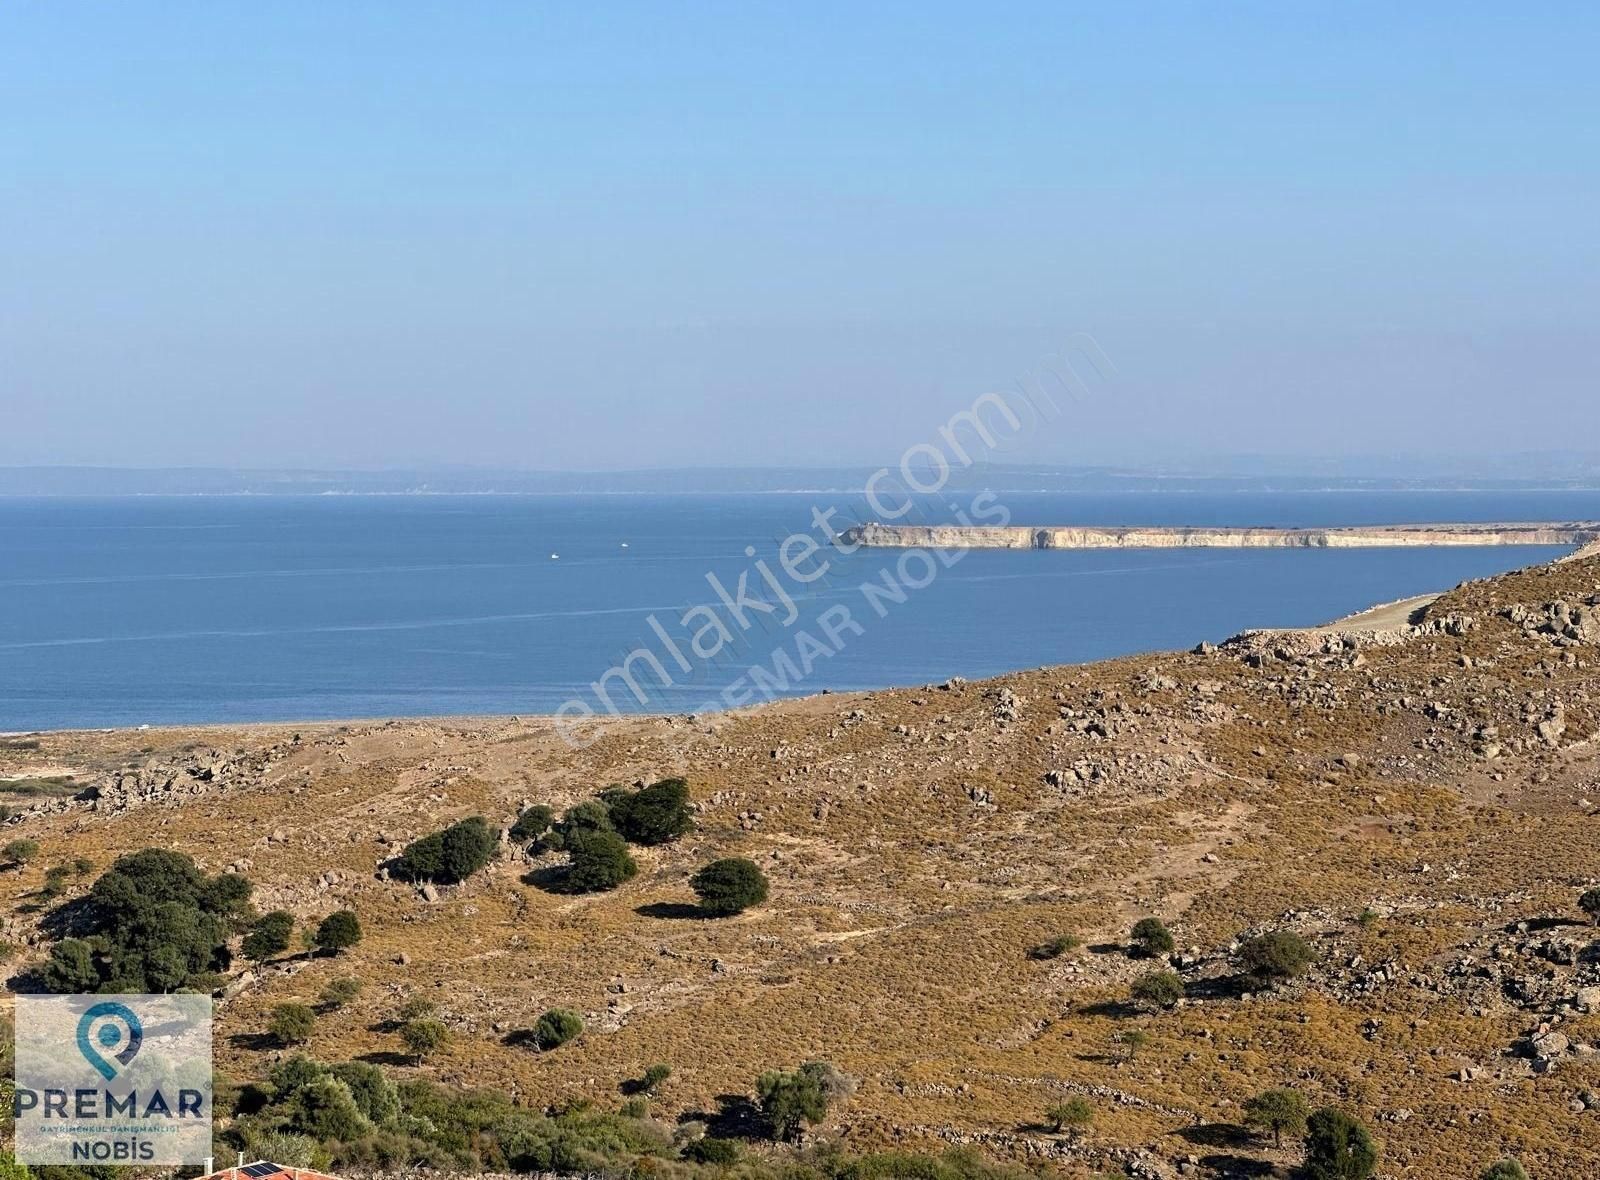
[(1440, 779)]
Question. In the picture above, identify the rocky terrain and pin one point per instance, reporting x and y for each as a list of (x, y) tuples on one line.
[(1419, 800)]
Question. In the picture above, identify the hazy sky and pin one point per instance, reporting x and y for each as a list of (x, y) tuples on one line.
[(607, 235)]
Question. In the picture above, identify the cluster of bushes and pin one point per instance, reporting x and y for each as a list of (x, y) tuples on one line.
[(1266, 960), (354, 1116), (450, 856), (271, 933), (153, 922), (595, 834), (1337, 1146)]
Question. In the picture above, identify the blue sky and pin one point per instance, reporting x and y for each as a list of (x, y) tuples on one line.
[(620, 235)]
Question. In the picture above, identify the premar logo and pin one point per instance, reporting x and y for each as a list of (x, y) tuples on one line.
[(113, 1080), (114, 1028)]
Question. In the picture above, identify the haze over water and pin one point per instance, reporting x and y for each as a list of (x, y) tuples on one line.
[(198, 609)]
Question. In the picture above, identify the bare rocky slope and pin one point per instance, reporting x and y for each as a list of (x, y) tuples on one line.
[(1421, 803)]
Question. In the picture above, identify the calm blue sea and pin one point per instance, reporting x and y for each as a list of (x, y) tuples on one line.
[(200, 609)]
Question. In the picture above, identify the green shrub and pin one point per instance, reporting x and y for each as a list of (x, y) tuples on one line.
[(636, 1108), (556, 1027), (1338, 1147), (449, 856), (423, 1038), (420, 860), (268, 936), (156, 924), (727, 887), (20, 852), (1151, 938), (339, 930), (654, 1077), (793, 1099), (374, 1094), (292, 1024), (1272, 957), (534, 822), (599, 861), (325, 1109), (1157, 990), (720, 1153), (1277, 1111), (1074, 1116), (71, 968), (1055, 947), (655, 814), (589, 816), (417, 1008), (1507, 1169), (340, 992), (468, 847)]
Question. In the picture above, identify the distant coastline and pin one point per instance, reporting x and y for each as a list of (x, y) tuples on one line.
[(1578, 534)]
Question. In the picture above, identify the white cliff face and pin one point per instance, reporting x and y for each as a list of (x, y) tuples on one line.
[(1083, 537)]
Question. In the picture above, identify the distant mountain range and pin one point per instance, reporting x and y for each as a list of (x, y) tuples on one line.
[(1552, 470)]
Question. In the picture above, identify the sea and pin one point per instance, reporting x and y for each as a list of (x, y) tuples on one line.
[(154, 610)]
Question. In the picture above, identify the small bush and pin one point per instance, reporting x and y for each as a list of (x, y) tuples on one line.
[(417, 1008), (599, 861), (636, 1108), (727, 887), (1338, 1147), (654, 1077), (340, 992), (423, 1038), (268, 936), (325, 1109), (534, 822), (1277, 956), (655, 814), (292, 1024), (1054, 948), (589, 816), (1073, 1115), (1278, 1111), (375, 1095), (1589, 903), (1507, 1169), (339, 930), (1133, 1040), (1151, 938), (556, 1027), (20, 852), (793, 1099), (1158, 990), (720, 1153)]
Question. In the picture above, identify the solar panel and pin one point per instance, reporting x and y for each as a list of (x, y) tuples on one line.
[(261, 1169)]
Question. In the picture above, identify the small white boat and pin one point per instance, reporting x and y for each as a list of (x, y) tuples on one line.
[(555, 557)]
